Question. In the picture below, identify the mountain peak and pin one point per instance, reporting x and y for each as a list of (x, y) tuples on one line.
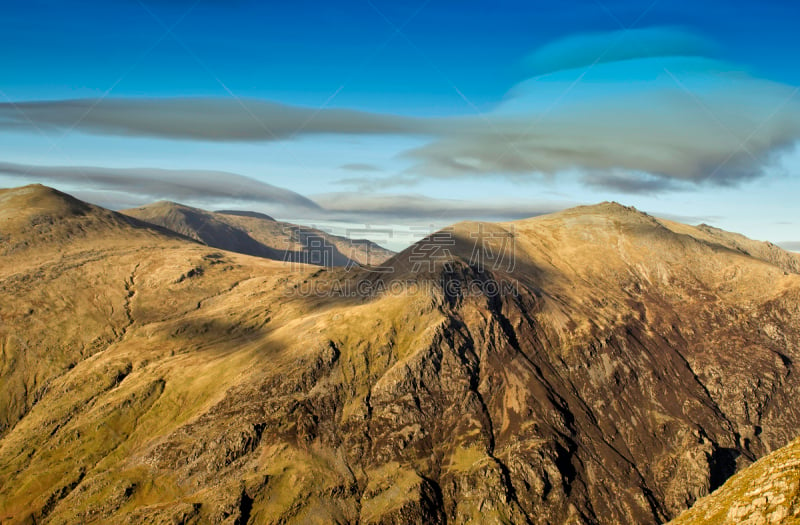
[(614, 205), (36, 191), (37, 216), (39, 199), (608, 208), (594, 214)]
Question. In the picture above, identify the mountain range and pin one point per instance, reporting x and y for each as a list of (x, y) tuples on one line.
[(260, 235), (593, 366)]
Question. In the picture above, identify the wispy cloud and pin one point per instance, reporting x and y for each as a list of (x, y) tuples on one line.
[(382, 206), (586, 49), (377, 183), (628, 182), (632, 183), (154, 184), (359, 166), (209, 119)]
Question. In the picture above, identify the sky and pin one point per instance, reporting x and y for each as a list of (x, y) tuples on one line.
[(410, 115)]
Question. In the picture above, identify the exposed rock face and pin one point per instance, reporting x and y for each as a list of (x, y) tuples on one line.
[(629, 367), (766, 492)]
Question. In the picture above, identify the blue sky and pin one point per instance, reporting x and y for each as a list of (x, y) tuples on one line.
[(411, 112)]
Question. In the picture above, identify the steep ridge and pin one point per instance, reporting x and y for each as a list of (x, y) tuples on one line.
[(591, 366), (260, 235), (266, 230), (765, 251), (764, 493)]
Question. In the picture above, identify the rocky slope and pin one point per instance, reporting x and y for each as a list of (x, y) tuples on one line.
[(764, 493), (593, 366), (260, 235)]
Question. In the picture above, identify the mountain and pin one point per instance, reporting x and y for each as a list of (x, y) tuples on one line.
[(766, 492), (66, 278), (597, 365), (241, 213), (38, 216), (260, 235), (766, 251)]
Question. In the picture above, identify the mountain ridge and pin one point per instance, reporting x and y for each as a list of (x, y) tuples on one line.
[(260, 235)]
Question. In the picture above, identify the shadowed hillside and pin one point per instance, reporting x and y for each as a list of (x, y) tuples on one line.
[(260, 235)]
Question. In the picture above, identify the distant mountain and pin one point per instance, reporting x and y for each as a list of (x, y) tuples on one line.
[(252, 214), (767, 491), (593, 366), (260, 235)]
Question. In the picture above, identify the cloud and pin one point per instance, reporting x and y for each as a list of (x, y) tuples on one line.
[(113, 200), (208, 119), (581, 50), (155, 184), (639, 111), (793, 246), (357, 166), (360, 206), (375, 183), (674, 119), (632, 183)]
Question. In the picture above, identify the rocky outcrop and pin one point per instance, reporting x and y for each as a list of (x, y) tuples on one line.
[(766, 492)]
